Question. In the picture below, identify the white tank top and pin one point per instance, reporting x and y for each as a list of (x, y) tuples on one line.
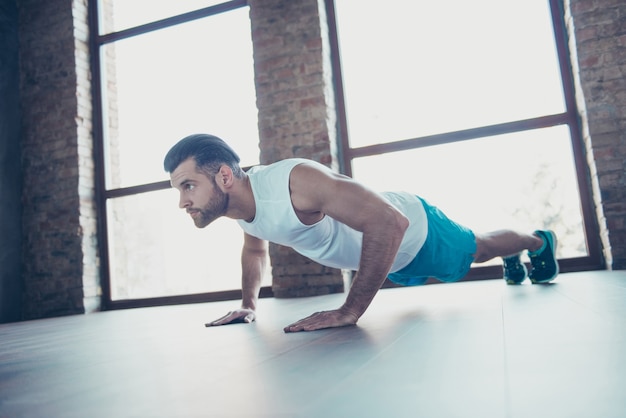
[(328, 242)]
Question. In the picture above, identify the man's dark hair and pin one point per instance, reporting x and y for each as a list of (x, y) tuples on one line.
[(209, 152)]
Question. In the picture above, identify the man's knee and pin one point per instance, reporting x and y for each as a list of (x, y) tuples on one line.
[(484, 252)]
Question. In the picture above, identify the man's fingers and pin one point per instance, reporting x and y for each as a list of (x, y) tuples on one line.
[(321, 320), (310, 323), (305, 327), (233, 317), (226, 319)]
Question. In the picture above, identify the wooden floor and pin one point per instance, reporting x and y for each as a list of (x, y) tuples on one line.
[(474, 349)]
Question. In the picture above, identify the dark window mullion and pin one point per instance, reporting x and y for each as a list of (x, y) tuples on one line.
[(171, 21), (345, 160), (464, 135), (98, 153)]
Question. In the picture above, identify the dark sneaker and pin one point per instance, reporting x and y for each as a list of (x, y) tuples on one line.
[(545, 267), (514, 270)]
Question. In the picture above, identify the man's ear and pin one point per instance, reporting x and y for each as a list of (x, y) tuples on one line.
[(224, 178)]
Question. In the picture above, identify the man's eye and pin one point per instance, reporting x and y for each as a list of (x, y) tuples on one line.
[(189, 187)]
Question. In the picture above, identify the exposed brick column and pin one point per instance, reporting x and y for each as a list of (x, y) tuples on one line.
[(600, 42), (59, 227), (296, 115)]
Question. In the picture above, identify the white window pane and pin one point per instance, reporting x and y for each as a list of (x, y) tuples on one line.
[(117, 15), (416, 68), (193, 78), (522, 181), (156, 250)]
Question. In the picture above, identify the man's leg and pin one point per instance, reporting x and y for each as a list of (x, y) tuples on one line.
[(504, 243), (541, 247)]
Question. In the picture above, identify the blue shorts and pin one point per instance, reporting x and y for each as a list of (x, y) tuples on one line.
[(446, 255)]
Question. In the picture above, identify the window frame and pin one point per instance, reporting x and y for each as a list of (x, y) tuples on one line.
[(97, 41), (570, 117)]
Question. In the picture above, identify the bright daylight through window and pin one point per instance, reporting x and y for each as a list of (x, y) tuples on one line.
[(158, 87), (416, 69)]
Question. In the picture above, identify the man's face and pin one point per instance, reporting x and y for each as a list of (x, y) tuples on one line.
[(200, 196)]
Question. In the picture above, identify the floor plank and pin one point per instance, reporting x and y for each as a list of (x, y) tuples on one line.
[(474, 349)]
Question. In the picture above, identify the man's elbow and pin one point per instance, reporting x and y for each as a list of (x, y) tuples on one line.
[(402, 223), (399, 223)]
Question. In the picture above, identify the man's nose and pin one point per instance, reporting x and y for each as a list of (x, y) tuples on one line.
[(183, 202)]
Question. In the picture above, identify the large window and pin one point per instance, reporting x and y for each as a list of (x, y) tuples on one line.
[(165, 70), (469, 104)]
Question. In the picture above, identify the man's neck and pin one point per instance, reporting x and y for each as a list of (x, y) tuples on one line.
[(241, 201)]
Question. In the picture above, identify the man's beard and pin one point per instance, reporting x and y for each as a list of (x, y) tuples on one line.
[(216, 208)]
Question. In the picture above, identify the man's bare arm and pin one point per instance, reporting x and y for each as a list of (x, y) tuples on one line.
[(382, 225), (253, 263)]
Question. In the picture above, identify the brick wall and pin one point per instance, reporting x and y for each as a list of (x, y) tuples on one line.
[(60, 262), (599, 29), (296, 115)]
